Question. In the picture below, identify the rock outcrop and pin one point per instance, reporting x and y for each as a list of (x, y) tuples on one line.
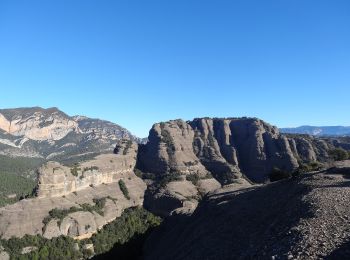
[(309, 149), (78, 190), (227, 148), (210, 153), (55, 179), (301, 218), (53, 135), (27, 216)]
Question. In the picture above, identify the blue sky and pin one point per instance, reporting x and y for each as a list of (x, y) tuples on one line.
[(140, 62)]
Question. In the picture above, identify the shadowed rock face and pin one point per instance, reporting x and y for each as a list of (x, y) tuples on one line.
[(224, 147), (310, 221)]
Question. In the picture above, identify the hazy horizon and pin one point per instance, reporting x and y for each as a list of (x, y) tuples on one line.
[(134, 64)]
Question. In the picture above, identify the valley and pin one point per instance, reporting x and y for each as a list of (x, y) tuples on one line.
[(74, 178)]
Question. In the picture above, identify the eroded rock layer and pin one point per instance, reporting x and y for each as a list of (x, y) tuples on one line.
[(227, 148), (56, 179)]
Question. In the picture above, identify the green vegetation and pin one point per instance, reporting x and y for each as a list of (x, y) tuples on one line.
[(92, 168), (167, 139), (194, 178), (14, 187), (128, 146), (21, 166), (278, 174), (56, 248), (124, 189), (75, 170), (174, 176), (308, 167), (339, 154), (60, 214), (134, 223), (144, 175)]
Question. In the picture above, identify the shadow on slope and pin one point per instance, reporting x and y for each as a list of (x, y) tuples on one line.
[(343, 252), (253, 224)]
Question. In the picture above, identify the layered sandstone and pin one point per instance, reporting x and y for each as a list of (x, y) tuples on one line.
[(55, 179), (62, 187)]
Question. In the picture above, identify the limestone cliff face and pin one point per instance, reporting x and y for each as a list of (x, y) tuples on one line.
[(55, 179), (53, 135), (227, 148), (50, 124)]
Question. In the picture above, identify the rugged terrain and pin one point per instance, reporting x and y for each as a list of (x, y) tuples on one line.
[(214, 152), (299, 218), (51, 134), (89, 171), (87, 196)]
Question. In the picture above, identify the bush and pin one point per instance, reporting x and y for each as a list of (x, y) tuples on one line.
[(310, 167), (138, 173), (194, 178), (74, 171), (127, 147), (339, 154), (174, 176), (277, 175), (124, 189)]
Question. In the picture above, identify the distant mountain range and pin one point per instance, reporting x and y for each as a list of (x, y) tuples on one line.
[(50, 134), (318, 130)]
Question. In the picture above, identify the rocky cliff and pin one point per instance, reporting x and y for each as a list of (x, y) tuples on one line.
[(55, 179), (53, 135), (227, 148), (88, 195), (300, 218)]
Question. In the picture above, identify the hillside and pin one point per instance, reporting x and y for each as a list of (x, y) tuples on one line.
[(51, 134), (302, 218)]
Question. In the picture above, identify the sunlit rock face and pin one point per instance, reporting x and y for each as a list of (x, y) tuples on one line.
[(40, 124), (55, 179), (63, 187)]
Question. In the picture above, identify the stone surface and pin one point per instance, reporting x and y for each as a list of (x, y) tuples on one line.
[(301, 218), (227, 148), (58, 180), (26, 216), (51, 134)]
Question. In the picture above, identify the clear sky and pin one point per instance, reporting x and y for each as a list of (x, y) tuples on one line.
[(139, 62)]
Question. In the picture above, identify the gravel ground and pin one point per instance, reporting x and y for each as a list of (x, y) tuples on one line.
[(302, 218)]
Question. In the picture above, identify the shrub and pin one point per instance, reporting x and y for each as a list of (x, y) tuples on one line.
[(127, 147), (277, 174), (138, 173), (134, 222), (339, 154), (174, 176), (194, 178), (124, 189), (74, 171)]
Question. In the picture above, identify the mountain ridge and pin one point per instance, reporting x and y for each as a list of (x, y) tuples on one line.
[(318, 130)]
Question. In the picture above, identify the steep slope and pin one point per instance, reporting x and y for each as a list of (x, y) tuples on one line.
[(50, 134), (224, 147), (304, 218)]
